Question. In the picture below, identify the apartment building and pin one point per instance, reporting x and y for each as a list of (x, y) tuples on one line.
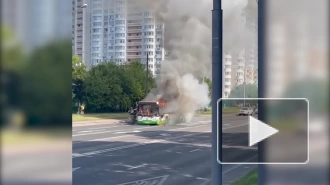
[(81, 30), (125, 31), (227, 75), (37, 22)]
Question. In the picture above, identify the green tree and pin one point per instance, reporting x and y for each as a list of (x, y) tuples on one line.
[(314, 90), (208, 81), (79, 73), (12, 56), (45, 88), (110, 87), (251, 91)]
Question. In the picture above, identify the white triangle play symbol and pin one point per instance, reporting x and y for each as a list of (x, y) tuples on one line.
[(259, 131)]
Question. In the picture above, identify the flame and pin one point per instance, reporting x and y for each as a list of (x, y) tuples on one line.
[(161, 103)]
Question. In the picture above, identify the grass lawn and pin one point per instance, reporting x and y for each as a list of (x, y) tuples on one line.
[(249, 179), (230, 110), (92, 117), (17, 138)]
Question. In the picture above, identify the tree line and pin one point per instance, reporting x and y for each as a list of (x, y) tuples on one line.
[(108, 87)]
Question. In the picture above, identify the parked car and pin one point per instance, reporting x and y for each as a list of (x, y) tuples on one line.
[(256, 111), (245, 111)]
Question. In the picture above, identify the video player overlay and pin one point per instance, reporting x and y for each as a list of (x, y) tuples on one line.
[(280, 137)]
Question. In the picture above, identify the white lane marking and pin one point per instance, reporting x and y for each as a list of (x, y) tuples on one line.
[(108, 138), (234, 126), (236, 166), (135, 167), (136, 131), (135, 145), (74, 169), (85, 131), (150, 181), (195, 150), (121, 130)]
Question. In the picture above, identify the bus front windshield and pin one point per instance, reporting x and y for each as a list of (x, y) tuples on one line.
[(148, 110)]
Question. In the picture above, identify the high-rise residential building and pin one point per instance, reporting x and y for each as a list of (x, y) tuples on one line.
[(37, 22), (227, 74), (125, 31), (81, 30)]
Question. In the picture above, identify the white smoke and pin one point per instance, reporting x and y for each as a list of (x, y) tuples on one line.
[(188, 39)]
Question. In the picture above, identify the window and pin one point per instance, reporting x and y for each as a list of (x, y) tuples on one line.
[(227, 80), (111, 17), (227, 73), (110, 47), (159, 40), (148, 26), (96, 36), (148, 40), (147, 14), (134, 15), (121, 16), (117, 54), (97, 18), (97, 24), (149, 20), (97, 12), (121, 28), (96, 54), (227, 66), (148, 53), (96, 30), (95, 48), (119, 47), (120, 41), (120, 9), (158, 52), (149, 33), (159, 26), (120, 34), (149, 46), (227, 86), (97, 5), (120, 3), (159, 32), (120, 22)]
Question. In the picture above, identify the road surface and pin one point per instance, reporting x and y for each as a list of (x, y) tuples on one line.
[(119, 154)]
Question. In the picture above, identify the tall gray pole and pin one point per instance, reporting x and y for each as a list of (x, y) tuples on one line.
[(244, 79), (147, 71), (216, 90)]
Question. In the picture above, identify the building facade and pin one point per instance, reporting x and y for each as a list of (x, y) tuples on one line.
[(81, 30), (125, 31)]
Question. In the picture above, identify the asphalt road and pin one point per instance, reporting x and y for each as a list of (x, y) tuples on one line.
[(119, 154)]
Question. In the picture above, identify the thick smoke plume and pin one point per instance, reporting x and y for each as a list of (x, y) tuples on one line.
[(188, 39)]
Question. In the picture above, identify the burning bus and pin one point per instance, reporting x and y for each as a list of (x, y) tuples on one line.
[(149, 113)]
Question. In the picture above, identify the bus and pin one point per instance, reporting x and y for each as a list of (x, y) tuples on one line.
[(149, 113)]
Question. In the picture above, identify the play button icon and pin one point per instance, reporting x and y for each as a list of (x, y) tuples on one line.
[(258, 131)]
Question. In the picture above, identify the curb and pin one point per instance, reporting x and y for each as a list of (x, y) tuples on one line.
[(98, 122)]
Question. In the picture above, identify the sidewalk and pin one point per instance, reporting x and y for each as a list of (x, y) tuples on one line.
[(97, 122)]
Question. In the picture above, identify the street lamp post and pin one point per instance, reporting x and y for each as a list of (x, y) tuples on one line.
[(147, 71)]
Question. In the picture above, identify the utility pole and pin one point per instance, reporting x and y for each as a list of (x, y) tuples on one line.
[(216, 91), (147, 72), (244, 79)]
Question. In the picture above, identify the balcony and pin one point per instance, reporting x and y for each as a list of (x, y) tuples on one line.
[(133, 56), (134, 37), (227, 83), (134, 24), (134, 30), (134, 49), (134, 43)]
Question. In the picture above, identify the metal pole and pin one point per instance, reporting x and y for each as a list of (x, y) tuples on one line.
[(147, 71), (216, 91), (244, 83)]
